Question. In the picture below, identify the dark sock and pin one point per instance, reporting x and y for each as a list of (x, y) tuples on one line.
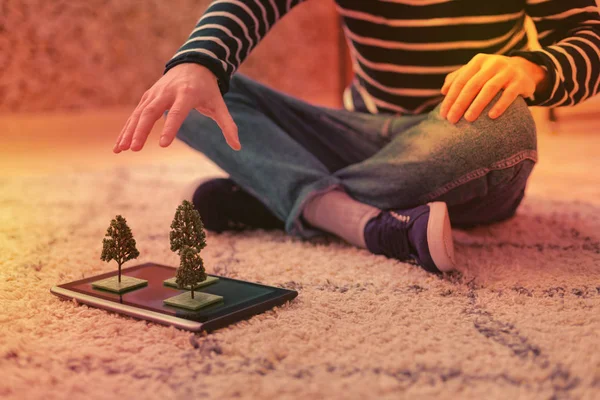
[(223, 205)]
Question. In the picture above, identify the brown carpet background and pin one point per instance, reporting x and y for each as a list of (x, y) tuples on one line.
[(85, 54), (521, 319)]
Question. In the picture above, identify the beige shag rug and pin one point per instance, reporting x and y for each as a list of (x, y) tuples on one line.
[(521, 319)]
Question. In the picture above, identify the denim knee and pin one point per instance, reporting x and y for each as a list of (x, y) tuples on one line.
[(492, 143), (511, 133), (489, 156), (523, 134)]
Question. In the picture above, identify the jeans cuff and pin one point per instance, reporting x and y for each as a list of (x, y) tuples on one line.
[(295, 224)]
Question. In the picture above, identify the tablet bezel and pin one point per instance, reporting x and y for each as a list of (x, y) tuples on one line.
[(278, 297)]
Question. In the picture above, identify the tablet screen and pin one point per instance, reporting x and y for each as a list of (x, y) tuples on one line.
[(236, 294)]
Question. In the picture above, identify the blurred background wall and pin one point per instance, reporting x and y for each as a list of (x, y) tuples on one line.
[(60, 55), (97, 57), (85, 54)]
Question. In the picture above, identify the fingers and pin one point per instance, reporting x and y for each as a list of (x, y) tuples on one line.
[(468, 94), (220, 114), (127, 133), (227, 125), (486, 95), (507, 98), (116, 147), (177, 114), (459, 82), (130, 123), (149, 115)]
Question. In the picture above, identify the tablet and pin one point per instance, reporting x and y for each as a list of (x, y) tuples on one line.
[(241, 299)]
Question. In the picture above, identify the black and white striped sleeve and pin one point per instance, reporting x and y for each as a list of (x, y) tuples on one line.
[(569, 33), (226, 34)]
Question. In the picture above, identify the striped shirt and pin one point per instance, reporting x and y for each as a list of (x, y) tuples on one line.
[(402, 50)]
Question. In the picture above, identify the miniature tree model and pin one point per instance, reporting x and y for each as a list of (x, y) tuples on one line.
[(188, 239), (189, 274), (119, 245), (191, 270), (187, 230)]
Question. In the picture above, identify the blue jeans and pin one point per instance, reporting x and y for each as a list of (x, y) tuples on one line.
[(293, 151)]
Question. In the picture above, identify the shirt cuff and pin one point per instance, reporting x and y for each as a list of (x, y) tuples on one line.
[(541, 59)]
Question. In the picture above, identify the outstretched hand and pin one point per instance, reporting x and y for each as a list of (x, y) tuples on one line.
[(183, 88), (471, 88)]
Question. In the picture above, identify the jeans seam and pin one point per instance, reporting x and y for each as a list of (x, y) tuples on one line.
[(478, 173)]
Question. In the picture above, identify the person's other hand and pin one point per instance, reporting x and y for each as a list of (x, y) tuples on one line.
[(471, 88), (181, 89)]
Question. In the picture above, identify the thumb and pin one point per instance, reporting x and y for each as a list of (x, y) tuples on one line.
[(229, 128)]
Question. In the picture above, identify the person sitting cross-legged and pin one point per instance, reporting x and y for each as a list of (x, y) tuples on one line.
[(435, 129)]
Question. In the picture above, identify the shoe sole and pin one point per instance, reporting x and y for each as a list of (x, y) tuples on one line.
[(439, 237)]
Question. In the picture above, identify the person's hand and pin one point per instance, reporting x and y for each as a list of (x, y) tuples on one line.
[(471, 88), (181, 89)]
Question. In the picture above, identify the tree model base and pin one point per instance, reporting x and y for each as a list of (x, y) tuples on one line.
[(171, 282), (200, 300), (112, 284)]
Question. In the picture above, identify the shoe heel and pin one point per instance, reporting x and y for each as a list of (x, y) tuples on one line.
[(439, 237)]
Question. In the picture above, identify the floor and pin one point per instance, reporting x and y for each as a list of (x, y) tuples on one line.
[(521, 318), (35, 144)]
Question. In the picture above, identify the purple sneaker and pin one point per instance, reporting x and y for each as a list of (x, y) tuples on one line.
[(422, 234), (224, 206)]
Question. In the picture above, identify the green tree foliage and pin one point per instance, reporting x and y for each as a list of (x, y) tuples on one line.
[(119, 244), (188, 239), (191, 269), (187, 229)]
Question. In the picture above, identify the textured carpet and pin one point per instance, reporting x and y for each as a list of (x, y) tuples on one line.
[(521, 319)]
